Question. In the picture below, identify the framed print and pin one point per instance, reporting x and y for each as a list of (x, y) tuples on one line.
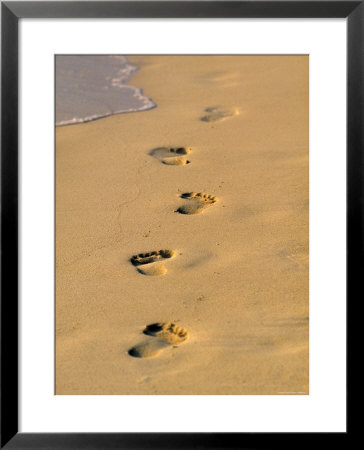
[(167, 169)]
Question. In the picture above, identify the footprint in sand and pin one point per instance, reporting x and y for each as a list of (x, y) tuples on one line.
[(221, 79), (218, 113), (171, 156), (197, 202), (166, 334), (155, 257)]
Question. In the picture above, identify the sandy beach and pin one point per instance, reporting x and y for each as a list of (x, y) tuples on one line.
[(214, 181)]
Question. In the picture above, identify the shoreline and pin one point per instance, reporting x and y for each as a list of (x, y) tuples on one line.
[(87, 88), (238, 279)]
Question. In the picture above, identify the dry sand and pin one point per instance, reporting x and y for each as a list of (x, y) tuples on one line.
[(236, 285)]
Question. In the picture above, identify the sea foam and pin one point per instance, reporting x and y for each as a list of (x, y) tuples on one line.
[(89, 87)]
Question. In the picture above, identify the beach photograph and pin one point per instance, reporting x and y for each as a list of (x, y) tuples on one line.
[(181, 224)]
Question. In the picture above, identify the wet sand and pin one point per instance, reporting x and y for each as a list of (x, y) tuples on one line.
[(209, 193)]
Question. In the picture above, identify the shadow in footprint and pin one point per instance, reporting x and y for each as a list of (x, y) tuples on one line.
[(166, 334), (218, 113), (171, 156), (143, 259), (197, 202)]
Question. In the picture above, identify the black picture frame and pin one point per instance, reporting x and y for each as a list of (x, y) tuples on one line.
[(11, 12)]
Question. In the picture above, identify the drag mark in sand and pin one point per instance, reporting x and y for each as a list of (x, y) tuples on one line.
[(197, 202), (218, 113), (152, 257), (167, 334), (171, 156)]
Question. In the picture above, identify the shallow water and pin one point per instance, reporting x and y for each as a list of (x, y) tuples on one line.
[(89, 87)]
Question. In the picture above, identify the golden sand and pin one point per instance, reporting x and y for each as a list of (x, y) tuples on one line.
[(212, 185)]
